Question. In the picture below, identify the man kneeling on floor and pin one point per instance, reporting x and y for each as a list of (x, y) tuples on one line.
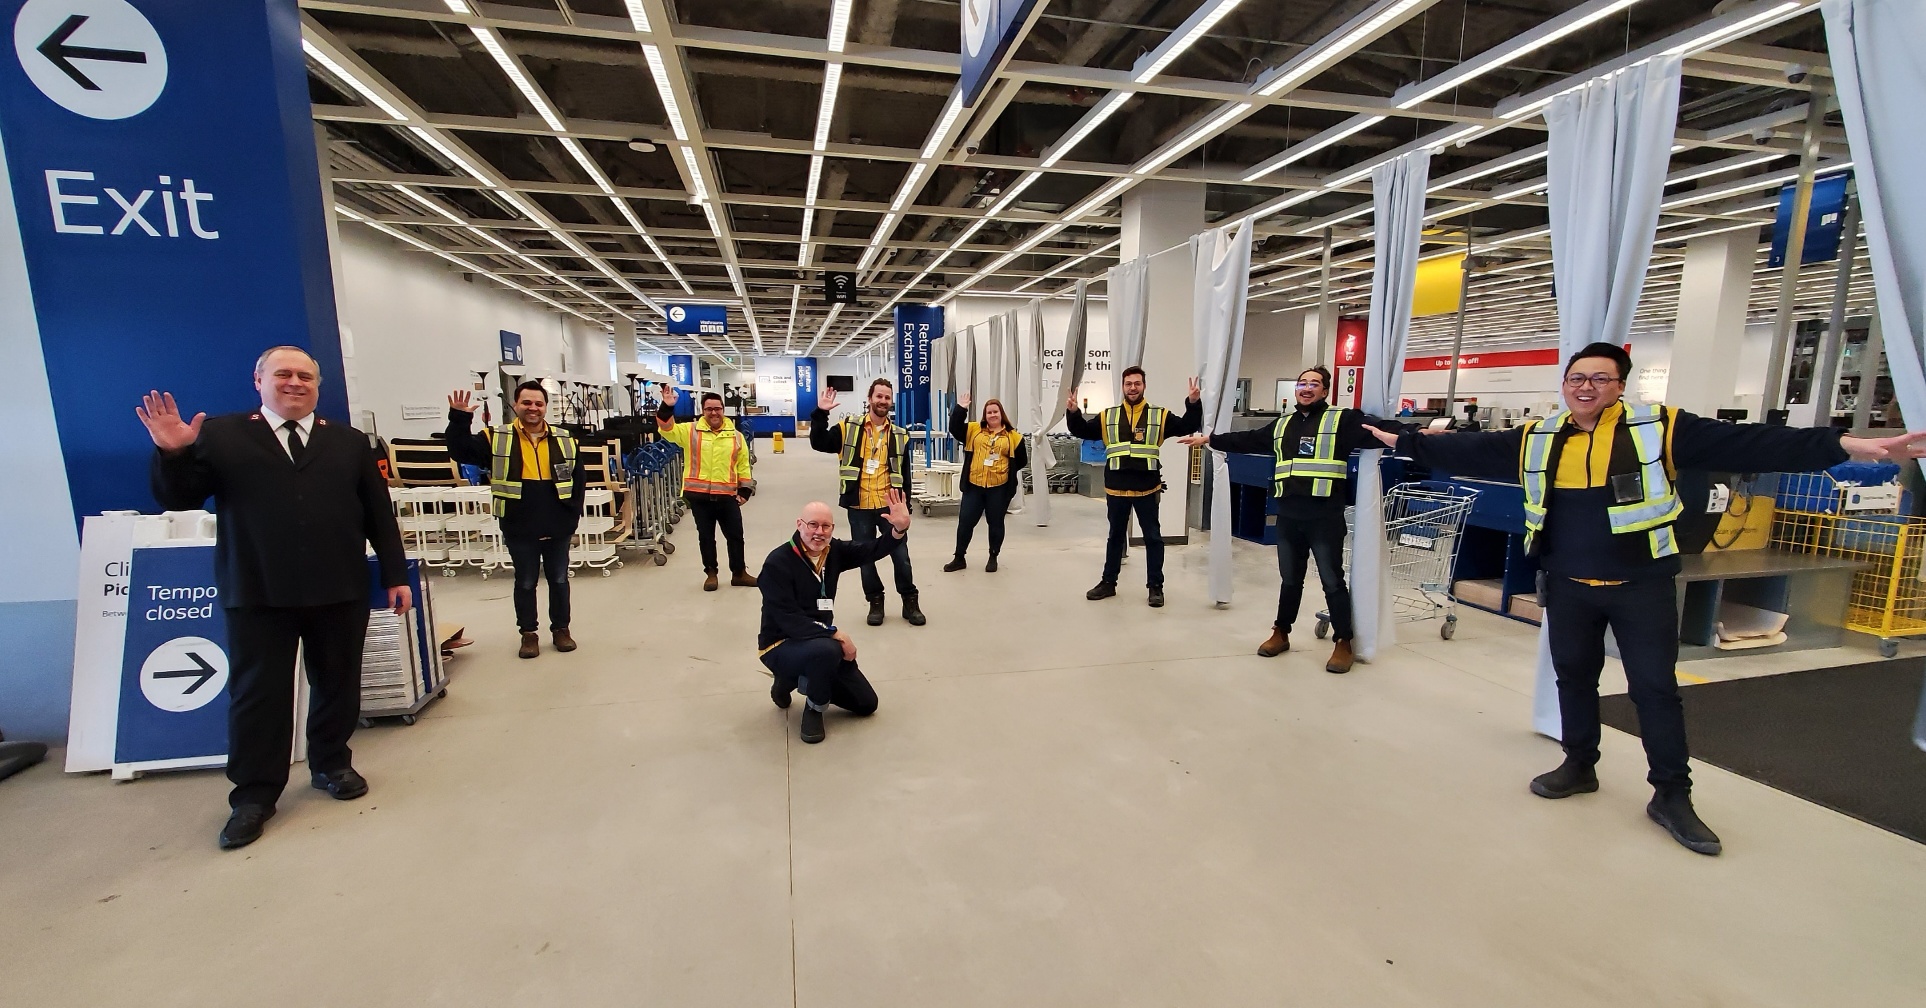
[(799, 641)]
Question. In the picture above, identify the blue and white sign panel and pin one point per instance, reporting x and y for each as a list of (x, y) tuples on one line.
[(1824, 222), (916, 327), (806, 391), (512, 348), (162, 164), (173, 682), (682, 376), (696, 319), (989, 32)]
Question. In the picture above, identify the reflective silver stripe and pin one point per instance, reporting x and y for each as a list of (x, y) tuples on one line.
[(1660, 506), (1117, 446), (1537, 481), (1662, 544)]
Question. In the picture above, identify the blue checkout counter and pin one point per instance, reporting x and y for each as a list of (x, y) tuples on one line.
[(763, 425)]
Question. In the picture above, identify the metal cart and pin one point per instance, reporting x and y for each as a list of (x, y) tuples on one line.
[(1424, 522)]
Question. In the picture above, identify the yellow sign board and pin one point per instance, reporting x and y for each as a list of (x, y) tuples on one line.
[(1440, 285)]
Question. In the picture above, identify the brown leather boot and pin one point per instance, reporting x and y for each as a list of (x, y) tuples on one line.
[(743, 579), (1278, 643), (563, 642), (709, 582), (531, 645), (1340, 658)]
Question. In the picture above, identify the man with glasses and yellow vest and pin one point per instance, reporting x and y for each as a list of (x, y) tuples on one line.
[(716, 481), (1132, 433), (1599, 479), (1311, 445), (537, 491), (874, 459)]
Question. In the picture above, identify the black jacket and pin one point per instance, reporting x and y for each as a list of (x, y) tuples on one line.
[(1133, 476), (1577, 541), (825, 436), (1299, 424), (790, 589), (960, 430), (288, 536), (540, 514)]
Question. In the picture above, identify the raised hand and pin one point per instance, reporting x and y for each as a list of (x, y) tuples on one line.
[(1197, 440), (1071, 403), (827, 401), (1887, 449), (162, 419), (898, 514), (1196, 390), (963, 400), (458, 401), (669, 395)]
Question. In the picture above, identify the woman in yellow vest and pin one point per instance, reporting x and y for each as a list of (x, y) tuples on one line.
[(993, 454)]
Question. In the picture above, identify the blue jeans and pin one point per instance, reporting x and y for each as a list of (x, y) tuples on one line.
[(866, 525), (1321, 538), (532, 558), (1120, 509)]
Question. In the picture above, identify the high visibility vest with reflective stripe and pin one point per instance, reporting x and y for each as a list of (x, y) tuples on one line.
[(501, 487), (1652, 515), (692, 481), (1321, 467), (852, 467), (1117, 445)]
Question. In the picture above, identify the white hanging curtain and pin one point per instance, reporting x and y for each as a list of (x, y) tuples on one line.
[(963, 373), (1874, 46), (1397, 196), (1604, 213), (942, 383), (1221, 262), (1008, 368), (1030, 406), (1129, 318), (1055, 400)]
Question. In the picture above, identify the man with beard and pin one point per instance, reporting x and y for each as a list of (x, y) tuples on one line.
[(1133, 478), (874, 455)]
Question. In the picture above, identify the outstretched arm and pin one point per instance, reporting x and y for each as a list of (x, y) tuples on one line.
[(1491, 455)]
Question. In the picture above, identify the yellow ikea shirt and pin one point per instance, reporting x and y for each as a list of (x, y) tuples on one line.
[(985, 446), (1586, 460), (534, 455), (873, 486)]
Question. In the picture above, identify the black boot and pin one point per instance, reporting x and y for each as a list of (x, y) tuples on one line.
[(780, 694), (876, 610), (1673, 810), (812, 725), (1571, 777), (957, 564), (990, 568), (1103, 590), (912, 611)]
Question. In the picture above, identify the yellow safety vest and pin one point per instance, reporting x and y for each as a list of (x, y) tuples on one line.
[(1653, 515), (696, 470), (1322, 467), (502, 488), (852, 470), (1118, 446)]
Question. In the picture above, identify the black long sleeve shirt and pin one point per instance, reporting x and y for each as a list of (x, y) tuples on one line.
[(1132, 476), (790, 588), (1577, 542), (1300, 426)]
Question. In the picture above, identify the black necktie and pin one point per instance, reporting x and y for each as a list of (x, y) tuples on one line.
[(295, 445)]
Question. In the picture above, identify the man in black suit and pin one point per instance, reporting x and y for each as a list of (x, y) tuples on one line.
[(296, 498)]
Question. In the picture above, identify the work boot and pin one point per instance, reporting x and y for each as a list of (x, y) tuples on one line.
[(876, 610), (1103, 590), (563, 642), (780, 694), (957, 564), (709, 582), (1156, 598), (1571, 777), (743, 579), (1278, 643), (990, 568), (1341, 658), (531, 645), (1673, 810), (912, 611), (812, 725)]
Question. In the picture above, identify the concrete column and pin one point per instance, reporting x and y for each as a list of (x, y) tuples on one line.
[(625, 353), (1715, 285), (1160, 216)]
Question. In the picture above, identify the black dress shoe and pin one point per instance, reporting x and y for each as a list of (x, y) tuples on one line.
[(1571, 777), (344, 784), (812, 725), (780, 694), (1103, 590), (991, 566), (1156, 598), (1673, 810), (244, 825)]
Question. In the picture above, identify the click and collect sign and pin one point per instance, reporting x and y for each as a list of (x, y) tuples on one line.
[(696, 320), (161, 161), (916, 327)]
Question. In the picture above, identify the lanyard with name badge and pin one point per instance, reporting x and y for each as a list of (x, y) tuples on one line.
[(824, 604)]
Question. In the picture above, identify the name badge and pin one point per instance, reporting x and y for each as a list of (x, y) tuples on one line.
[(825, 605), (1306, 447), (1137, 434), (564, 471), (990, 460), (870, 466), (1628, 488)]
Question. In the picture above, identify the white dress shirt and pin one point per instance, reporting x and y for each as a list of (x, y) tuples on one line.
[(276, 421)]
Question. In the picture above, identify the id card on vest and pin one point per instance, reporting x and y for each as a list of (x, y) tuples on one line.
[(564, 471)]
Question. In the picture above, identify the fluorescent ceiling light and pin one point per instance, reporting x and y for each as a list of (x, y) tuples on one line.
[(1332, 48), (348, 77), (1192, 137), (1463, 133), (1098, 199), (1341, 131), (459, 7), (1352, 176), (1491, 59), (1010, 195), (695, 175), (942, 129), (594, 171), (1522, 157), (534, 97), (910, 187), (1720, 167), (1186, 35), (637, 16), (826, 112), (660, 71), (1715, 36), (446, 151), (815, 180), (839, 25), (1091, 120)]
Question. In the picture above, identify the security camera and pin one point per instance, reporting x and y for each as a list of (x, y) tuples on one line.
[(1796, 72), (970, 148), (1763, 134)]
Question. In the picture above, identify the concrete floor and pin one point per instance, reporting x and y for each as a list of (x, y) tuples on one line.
[(1060, 803)]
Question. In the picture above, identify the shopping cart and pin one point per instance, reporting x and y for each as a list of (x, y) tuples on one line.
[(1424, 521)]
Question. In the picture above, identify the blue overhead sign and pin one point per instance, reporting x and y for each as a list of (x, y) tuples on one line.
[(161, 162), (1824, 221), (806, 390), (916, 327), (682, 376), (511, 347), (989, 30), (696, 319)]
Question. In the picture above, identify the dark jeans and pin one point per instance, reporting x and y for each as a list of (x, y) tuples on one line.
[(1643, 616), (1321, 538), (261, 644), (1113, 547), (866, 525), (531, 558), (816, 667), (711, 510), (981, 502)]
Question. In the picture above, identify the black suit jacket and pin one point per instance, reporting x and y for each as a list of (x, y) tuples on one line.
[(288, 535)]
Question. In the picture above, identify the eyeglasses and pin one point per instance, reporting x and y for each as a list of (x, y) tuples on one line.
[(1312, 385), (1595, 380), (819, 526)]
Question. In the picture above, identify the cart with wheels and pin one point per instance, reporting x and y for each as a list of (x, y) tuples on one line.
[(1424, 521)]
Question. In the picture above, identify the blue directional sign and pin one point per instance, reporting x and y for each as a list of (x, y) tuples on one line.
[(806, 390), (1824, 222), (916, 327), (989, 30), (160, 159), (173, 684), (682, 375), (511, 347), (699, 320)]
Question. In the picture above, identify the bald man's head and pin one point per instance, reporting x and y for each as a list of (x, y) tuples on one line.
[(815, 526)]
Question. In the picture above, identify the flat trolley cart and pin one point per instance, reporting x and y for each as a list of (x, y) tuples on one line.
[(1424, 521)]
